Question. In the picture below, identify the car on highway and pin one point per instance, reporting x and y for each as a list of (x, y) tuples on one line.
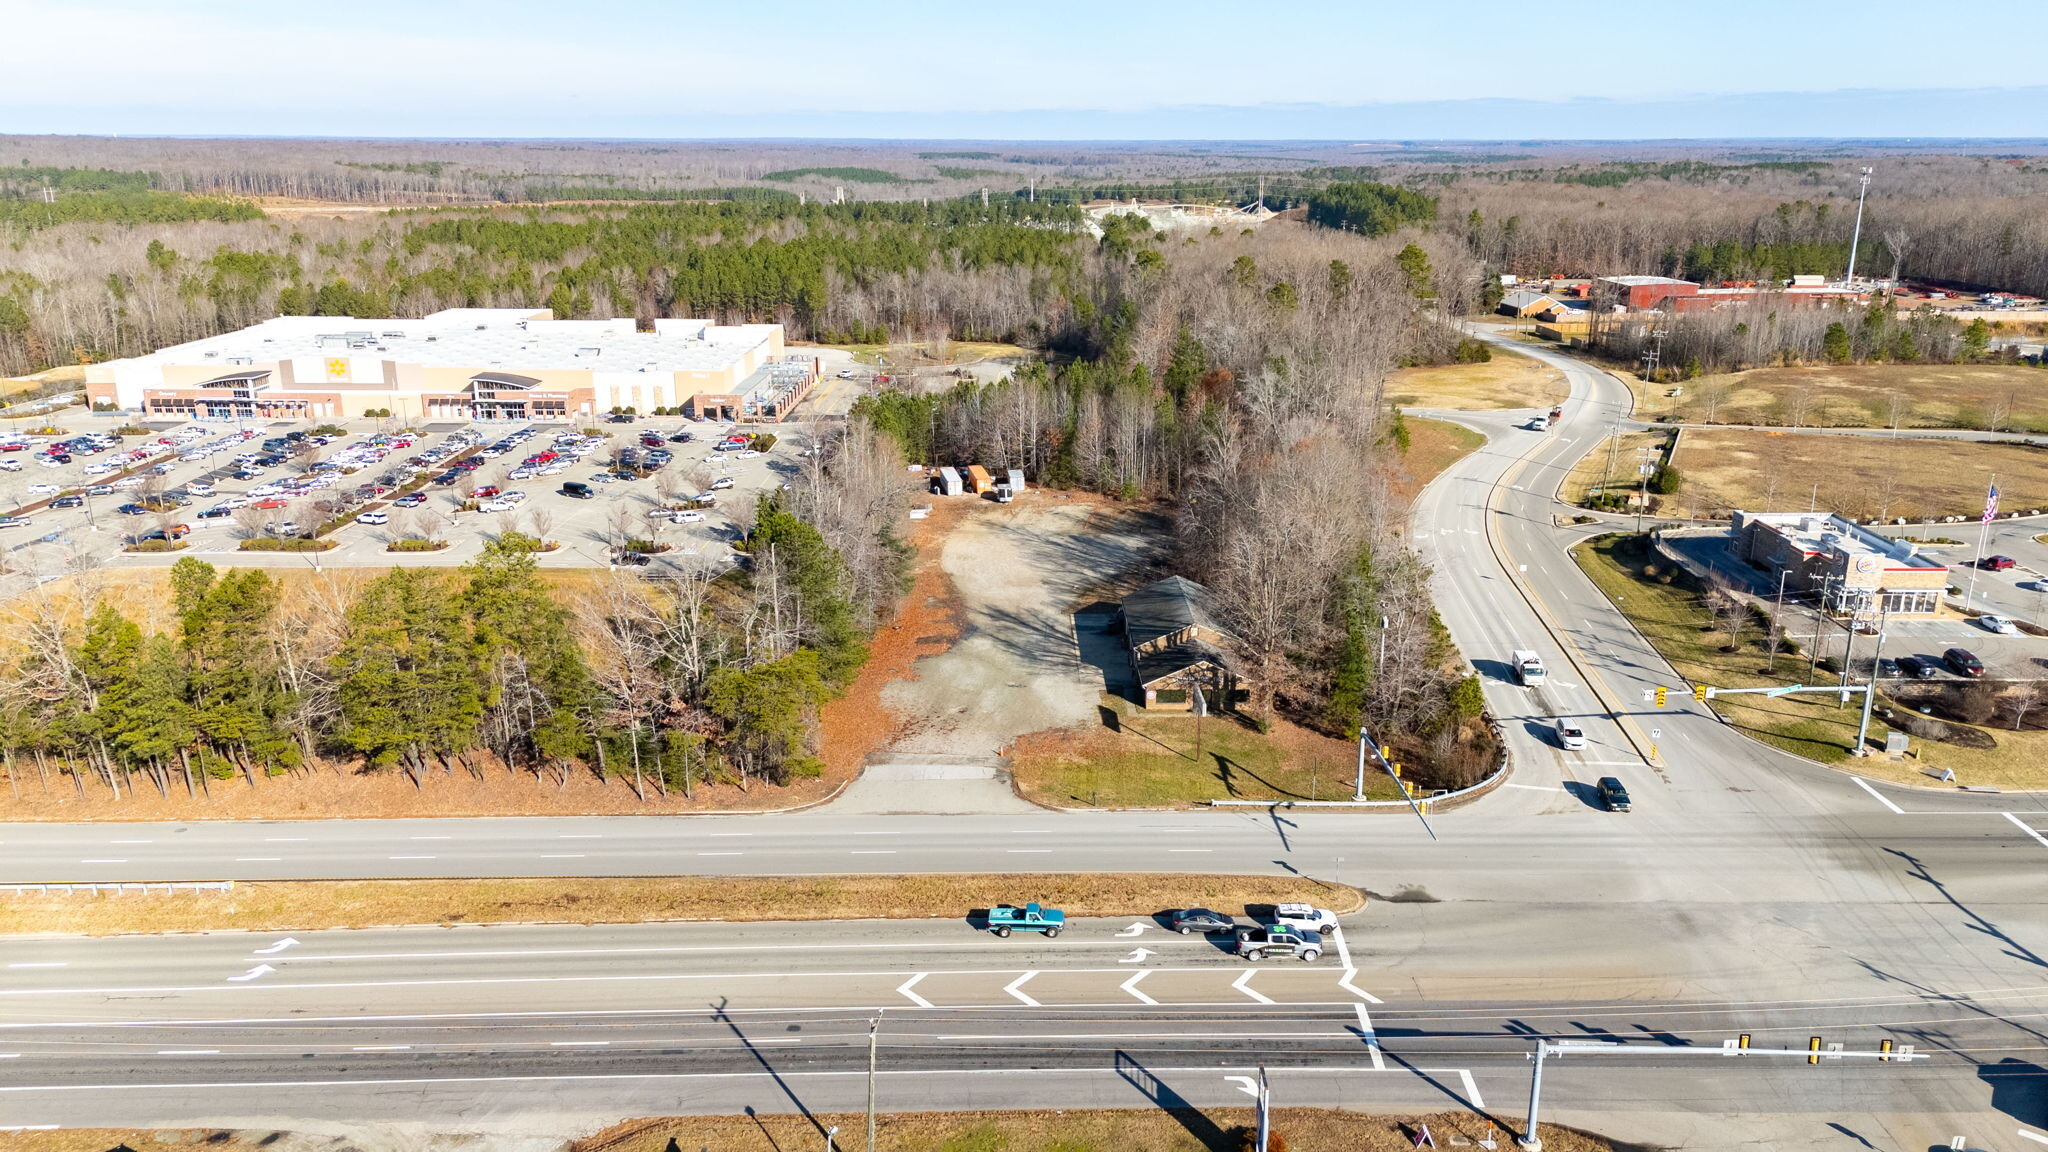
[(1306, 917), (1996, 563), (1570, 736), (1918, 667), (1188, 921), (2001, 625), (1613, 796), (1262, 943), (1004, 919), (1963, 662)]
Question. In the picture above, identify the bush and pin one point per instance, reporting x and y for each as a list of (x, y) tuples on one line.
[(296, 544), (1467, 698), (763, 441), (131, 430), (155, 546), (328, 430), (1665, 480), (415, 546), (645, 547)]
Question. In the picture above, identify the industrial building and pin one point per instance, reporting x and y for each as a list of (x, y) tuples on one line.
[(1848, 569), (1666, 294), (465, 364)]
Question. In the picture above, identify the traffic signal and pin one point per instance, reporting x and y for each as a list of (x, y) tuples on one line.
[(1699, 693), (1661, 690)]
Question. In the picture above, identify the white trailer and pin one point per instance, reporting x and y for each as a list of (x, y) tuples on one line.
[(1529, 670), (949, 482)]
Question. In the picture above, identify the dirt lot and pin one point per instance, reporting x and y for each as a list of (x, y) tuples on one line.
[(2012, 397), (1019, 570), (1859, 476), (1507, 381)]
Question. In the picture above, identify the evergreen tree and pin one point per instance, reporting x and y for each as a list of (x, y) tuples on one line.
[(831, 625), (1415, 265), (408, 680), (1835, 344)]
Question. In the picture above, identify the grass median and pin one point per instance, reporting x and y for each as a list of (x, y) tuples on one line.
[(311, 905)]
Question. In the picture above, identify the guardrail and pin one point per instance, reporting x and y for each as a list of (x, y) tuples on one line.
[(124, 888)]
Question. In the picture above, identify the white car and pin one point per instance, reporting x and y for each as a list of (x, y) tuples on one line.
[(745, 454), (1306, 917), (602, 478), (1570, 736), (498, 506), (687, 518), (10, 465), (199, 488), (722, 483), (660, 513), (1999, 624), (235, 502), (520, 474), (44, 489), (374, 518), (128, 482), (552, 470), (192, 457), (514, 497), (163, 469), (100, 468)]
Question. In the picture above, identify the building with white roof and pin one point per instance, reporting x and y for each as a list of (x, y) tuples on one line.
[(1849, 568), (463, 363)]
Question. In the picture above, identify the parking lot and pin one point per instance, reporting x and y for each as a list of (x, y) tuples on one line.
[(211, 485)]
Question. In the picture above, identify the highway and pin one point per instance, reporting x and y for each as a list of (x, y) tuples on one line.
[(1748, 891)]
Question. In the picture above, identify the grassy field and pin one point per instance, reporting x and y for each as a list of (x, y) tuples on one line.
[(310, 905), (1125, 1130), (1433, 445), (1859, 476), (928, 354), (1671, 617), (1508, 380), (70, 376), (2011, 397), (1151, 1130), (1149, 760), (1610, 462)]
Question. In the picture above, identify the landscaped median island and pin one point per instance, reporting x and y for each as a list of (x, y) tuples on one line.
[(311, 905), (1729, 650)]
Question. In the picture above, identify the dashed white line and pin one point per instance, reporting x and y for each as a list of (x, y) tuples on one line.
[(1878, 796), (1029, 851), (131, 841), (1372, 1038), (561, 855), (408, 857), (579, 1043), (872, 852), (430, 837), (10, 1055), (1190, 849), (257, 859), (382, 1048), (103, 861), (285, 839), (580, 836), (2022, 826), (725, 835), (189, 1052), (38, 964)]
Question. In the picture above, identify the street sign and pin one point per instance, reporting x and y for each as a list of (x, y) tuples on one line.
[(1656, 733)]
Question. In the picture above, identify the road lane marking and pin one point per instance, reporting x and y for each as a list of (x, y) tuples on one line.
[(1533, 787), (1372, 1038), (718, 853), (1016, 988), (2022, 826), (1190, 849), (189, 1052), (103, 861), (1343, 950), (285, 839), (408, 857), (580, 836), (258, 859), (2036, 1137), (1345, 983), (1243, 984), (1471, 1090), (983, 942), (430, 837), (725, 835), (579, 1043), (1131, 986), (1028, 1036), (382, 1048), (1878, 796), (872, 852), (905, 989), (131, 841), (1016, 851), (561, 855), (38, 964)]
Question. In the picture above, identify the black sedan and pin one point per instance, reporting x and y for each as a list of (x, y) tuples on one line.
[(68, 502), (1917, 667), (132, 510), (1191, 920)]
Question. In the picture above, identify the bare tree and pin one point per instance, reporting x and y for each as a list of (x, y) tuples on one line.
[(543, 522), (249, 521), (1897, 240), (2023, 699)]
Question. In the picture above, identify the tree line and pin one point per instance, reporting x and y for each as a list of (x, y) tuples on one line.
[(670, 683)]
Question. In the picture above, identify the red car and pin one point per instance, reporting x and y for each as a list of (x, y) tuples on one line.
[(485, 492), (1997, 563), (270, 502)]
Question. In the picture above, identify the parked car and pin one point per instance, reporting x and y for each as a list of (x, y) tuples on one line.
[(44, 489), (132, 510), (1305, 917), (686, 518), (1004, 919), (410, 500), (1570, 736), (374, 518), (1918, 667), (1996, 563), (723, 483), (14, 521), (1191, 920), (1998, 624), (1963, 662), (68, 502), (1260, 943), (1613, 796), (216, 512), (577, 490)]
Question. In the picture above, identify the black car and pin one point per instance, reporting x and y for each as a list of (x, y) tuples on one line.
[(216, 513), (1613, 796), (682, 438), (1963, 662), (132, 510), (631, 559), (1918, 667), (68, 502), (1191, 920)]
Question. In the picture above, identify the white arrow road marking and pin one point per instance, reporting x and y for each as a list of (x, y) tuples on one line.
[(1348, 986), (1131, 986), (914, 998), (251, 974), (1372, 1038), (274, 949), (1243, 984), (1137, 956), (1245, 1084), (1136, 929), (1015, 988)]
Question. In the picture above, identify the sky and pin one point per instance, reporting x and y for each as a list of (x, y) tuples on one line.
[(1137, 69)]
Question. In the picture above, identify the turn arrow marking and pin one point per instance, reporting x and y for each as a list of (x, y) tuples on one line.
[(1137, 956), (251, 974), (274, 949), (1136, 929), (1015, 988)]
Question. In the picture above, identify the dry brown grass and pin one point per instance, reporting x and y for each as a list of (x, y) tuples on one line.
[(70, 376), (311, 905), (1508, 380), (1859, 476), (1178, 1130), (1433, 446), (1860, 396), (1609, 462)]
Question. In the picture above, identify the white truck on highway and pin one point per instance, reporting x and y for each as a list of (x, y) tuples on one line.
[(1529, 670)]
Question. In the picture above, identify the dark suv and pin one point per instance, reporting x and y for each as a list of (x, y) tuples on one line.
[(1613, 796), (1918, 667), (1963, 662)]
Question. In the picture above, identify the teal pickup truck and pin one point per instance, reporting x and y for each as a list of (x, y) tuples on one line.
[(1004, 919)]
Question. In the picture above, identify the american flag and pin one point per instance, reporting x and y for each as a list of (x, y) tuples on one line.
[(1991, 504)]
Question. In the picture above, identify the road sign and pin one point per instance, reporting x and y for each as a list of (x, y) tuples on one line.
[(1656, 733)]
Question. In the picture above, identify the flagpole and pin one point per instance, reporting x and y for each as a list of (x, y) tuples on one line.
[(1983, 535)]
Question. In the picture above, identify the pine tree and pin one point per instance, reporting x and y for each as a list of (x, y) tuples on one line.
[(1835, 344), (408, 680)]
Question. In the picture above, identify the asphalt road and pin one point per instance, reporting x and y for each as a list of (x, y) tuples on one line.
[(1748, 891)]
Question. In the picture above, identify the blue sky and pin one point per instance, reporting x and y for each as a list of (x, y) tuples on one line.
[(1135, 69)]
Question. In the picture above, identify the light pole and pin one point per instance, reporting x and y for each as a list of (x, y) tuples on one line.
[(1870, 690), (874, 1027), (1856, 237)]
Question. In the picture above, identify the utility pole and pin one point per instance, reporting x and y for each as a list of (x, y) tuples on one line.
[(1778, 621), (1870, 692), (1265, 1109), (1856, 237), (874, 1027)]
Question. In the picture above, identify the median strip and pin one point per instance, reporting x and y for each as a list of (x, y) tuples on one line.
[(308, 905)]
